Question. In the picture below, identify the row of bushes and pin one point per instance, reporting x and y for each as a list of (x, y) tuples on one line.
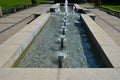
[(16, 9)]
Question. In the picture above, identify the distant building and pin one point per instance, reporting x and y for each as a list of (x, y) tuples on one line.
[(70, 1)]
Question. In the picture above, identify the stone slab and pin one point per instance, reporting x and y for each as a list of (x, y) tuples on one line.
[(37, 24), (4, 26), (81, 9), (108, 17), (92, 15), (9, 54), (14, 29), (78, 6), (55, 6), (101, 13), (89, 74), (22, 39), (113, 53), (117, 27), (104, 40), (59, 74), (113, 22), (19, 15), (10, 20)]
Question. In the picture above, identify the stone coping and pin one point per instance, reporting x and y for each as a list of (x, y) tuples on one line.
[(59, 74), (84, 10), (12, 48), (55, 6), (107, 45), (78, 7)]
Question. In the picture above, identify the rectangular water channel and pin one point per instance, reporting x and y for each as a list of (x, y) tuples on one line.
[(78, 51)]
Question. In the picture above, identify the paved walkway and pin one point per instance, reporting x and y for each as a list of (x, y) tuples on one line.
[(110, 24), (11, 24)]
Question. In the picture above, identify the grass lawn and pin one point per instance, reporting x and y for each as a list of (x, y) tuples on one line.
[(12, 3), (114, 6)]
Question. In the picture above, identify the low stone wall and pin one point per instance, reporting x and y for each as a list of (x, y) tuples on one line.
[(11, 49), (16, 8), (107, 48), (84, 11), (52, 9), (59, 74)]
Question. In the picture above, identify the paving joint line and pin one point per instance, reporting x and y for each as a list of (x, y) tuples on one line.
[(107, 23), (15, 24)]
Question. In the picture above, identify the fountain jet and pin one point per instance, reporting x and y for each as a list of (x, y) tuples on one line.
[(66, 8), (73, 10), (59, 11)]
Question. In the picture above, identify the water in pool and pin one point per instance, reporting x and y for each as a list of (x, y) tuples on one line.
[(77, 50)]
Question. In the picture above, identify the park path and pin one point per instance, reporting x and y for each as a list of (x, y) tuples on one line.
[(110, 24), (11, 24)]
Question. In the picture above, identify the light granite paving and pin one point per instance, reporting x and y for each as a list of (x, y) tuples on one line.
[(55, 6), (4, 26), (114, 22), (9, 54), (11, 20), (117, 27), (14, 29), (107, 17), (19, 15), (59, 74)]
